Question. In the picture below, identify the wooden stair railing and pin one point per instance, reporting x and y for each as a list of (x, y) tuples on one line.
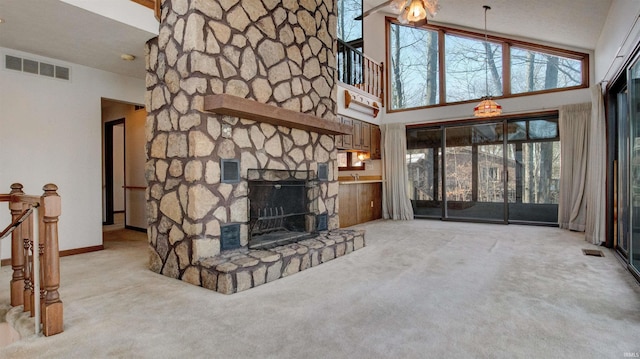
[(35, 259)]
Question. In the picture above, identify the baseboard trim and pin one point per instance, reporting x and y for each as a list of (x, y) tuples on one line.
[(72, 252), (65, 253), (137, 229)]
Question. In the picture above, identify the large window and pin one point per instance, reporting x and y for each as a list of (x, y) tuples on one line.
[(434, 65)]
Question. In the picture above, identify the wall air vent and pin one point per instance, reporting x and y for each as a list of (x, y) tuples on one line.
[(30, 66), (62, 73), (230, 170), (13, 63), (36, 68), (46, 69)]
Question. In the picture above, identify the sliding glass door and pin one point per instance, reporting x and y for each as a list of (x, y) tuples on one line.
[(634, 164), (425, 178), (474, 172), (494, 171)]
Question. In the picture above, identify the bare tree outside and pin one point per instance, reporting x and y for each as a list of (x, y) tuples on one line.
[(469, 64), (349, 29), (414, 67), (473, 68), (536, 71)]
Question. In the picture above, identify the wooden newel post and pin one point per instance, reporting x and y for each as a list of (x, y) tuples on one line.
[(17, 250), (52, 306)]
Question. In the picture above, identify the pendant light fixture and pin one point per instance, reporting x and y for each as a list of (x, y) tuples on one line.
[(414, 10), (487, 107)]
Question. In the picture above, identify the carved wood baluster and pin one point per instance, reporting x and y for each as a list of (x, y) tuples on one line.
[(17, 257), (52, 305), (28, 285), (27, 233)]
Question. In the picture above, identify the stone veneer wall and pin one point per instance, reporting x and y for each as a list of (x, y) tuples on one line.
[(276, 52)]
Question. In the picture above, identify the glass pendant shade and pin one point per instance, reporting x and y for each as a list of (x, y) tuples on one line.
[(416, 11), (487, 108)]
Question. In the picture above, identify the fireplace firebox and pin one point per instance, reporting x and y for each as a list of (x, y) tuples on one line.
[(282, 206)]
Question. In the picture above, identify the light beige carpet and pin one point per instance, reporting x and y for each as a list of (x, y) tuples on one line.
[(420, 289)]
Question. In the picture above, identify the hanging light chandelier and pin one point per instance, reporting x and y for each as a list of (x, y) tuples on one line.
[(487, 107), (415, 10)]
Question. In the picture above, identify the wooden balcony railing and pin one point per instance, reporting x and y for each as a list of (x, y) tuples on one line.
[(358, 70), (35, 258)]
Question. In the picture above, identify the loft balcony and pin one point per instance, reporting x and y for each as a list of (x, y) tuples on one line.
[(362, 77)]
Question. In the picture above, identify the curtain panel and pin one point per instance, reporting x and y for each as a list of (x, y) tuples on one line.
[(574, 137), (395, 193), (596, 170)]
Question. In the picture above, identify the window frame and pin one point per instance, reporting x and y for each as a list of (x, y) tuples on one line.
[(506, 43)]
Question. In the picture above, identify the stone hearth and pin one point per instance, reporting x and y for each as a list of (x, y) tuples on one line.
[(266, 69), (235, 271)]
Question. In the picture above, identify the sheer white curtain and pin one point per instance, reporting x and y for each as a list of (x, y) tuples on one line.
[(395, 194), (574, 136), (596, 167)]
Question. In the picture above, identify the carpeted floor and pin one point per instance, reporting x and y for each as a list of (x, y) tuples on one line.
[(420, 289)]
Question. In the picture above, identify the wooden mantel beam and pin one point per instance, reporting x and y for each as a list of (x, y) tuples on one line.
[(230, 105)]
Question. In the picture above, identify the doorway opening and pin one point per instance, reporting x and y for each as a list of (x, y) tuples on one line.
[(114, 164), (124, 157)]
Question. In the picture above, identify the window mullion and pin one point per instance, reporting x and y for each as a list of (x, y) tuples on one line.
[(441, 71), (506, 69)]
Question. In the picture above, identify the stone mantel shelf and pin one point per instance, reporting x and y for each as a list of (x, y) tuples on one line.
[(225, 104)]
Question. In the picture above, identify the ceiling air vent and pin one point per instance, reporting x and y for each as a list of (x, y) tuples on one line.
[(36, 68)]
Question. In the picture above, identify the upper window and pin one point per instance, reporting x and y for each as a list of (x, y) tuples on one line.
[(473, 68), (537, 71), (433, 65), (414, 67), (349, 29)]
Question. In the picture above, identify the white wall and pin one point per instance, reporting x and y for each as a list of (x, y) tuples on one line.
[(135, 158), (50, 131), (124, 11), (524, 104), (612, 50)]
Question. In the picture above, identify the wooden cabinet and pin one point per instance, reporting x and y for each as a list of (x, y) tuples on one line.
[(362, 137), (357, 135), (348, 205), (359, 203), (347, 140), (376, 153)]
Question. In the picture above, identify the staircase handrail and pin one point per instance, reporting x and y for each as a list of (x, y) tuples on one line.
[(35, 257)]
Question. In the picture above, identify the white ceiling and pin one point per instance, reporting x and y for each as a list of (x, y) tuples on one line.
[(572, 23), (61, 31)]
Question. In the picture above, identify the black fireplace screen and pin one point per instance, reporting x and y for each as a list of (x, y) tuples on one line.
[(282, 205)]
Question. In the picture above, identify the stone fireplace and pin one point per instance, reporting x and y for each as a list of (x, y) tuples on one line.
[(249, 85)]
